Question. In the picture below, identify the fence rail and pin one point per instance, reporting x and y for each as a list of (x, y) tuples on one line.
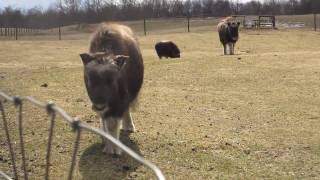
[(76, 125), (17, 32), (147, 26)]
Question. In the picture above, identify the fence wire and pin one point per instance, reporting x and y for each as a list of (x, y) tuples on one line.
[(77, 127)]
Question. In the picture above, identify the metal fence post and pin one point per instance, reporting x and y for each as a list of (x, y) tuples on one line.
[(16, 33), (315, 21), (144, 26), (59, 32), (188, 18)]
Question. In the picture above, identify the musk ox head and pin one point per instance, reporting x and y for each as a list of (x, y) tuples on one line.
[(233, 30), (103, 77), (175, 51)]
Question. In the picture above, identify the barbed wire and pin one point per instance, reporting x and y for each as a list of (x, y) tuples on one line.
[(77, 127)]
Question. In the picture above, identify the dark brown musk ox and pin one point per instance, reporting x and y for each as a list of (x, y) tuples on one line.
[(167, 49), (228, 34), (113, 75)]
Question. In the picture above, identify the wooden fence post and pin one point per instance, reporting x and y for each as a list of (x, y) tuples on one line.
[(144, 26)]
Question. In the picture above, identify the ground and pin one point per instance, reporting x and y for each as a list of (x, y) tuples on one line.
[(253, 115)]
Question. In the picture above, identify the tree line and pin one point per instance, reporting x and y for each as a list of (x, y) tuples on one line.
[(65, 12)]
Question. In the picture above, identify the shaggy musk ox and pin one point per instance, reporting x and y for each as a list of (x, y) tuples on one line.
[(167, 49), (229, 35), (113, 75)]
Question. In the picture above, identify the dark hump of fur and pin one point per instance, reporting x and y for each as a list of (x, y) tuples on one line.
[(119, 40), (167, 49)]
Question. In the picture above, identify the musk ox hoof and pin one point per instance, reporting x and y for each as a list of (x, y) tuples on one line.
[(112, 150), (129, 129), (127, 124)]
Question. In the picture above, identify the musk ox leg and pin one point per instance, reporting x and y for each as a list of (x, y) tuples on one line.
[(224, 49), (104, 128), (112, 126), (229, 48), (232, 48), (127, 123)]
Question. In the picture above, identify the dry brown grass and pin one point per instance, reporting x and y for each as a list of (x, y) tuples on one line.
[(253, 115)]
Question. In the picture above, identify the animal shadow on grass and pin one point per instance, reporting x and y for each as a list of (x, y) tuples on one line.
[(96, 165)]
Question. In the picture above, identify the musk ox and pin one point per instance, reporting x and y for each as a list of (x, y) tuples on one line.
[(113, 76), (167, 49), (229, 35)]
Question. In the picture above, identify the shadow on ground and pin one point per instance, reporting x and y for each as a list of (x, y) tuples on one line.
[(94, 164)]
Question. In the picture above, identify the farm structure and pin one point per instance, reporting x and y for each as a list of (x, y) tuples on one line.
[(257, 22)]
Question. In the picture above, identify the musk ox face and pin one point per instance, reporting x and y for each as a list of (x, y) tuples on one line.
[(175, 53), (233, 30), (102, 74)]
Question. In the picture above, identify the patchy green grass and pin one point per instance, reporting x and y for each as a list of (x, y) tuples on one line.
[(253, 115)]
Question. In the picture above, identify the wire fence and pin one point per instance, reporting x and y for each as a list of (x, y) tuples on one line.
[(149, 26), (76, 126)]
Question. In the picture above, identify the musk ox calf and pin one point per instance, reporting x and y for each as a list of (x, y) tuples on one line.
[(229, 35), (113, 75), (167, 49)]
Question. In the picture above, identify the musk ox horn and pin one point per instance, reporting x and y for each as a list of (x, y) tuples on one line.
[(120, 60), (86, 58)]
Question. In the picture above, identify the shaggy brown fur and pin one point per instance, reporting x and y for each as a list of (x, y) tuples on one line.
[(167, 49), (113, 37), (118, 39)]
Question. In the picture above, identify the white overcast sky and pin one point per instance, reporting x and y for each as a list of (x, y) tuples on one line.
[(26, 4)]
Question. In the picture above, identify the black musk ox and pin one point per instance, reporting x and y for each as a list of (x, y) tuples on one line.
[(113, 75), (167, 49), (229, 35)]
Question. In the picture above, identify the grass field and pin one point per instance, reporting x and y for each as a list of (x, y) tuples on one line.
[(254, 115)]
